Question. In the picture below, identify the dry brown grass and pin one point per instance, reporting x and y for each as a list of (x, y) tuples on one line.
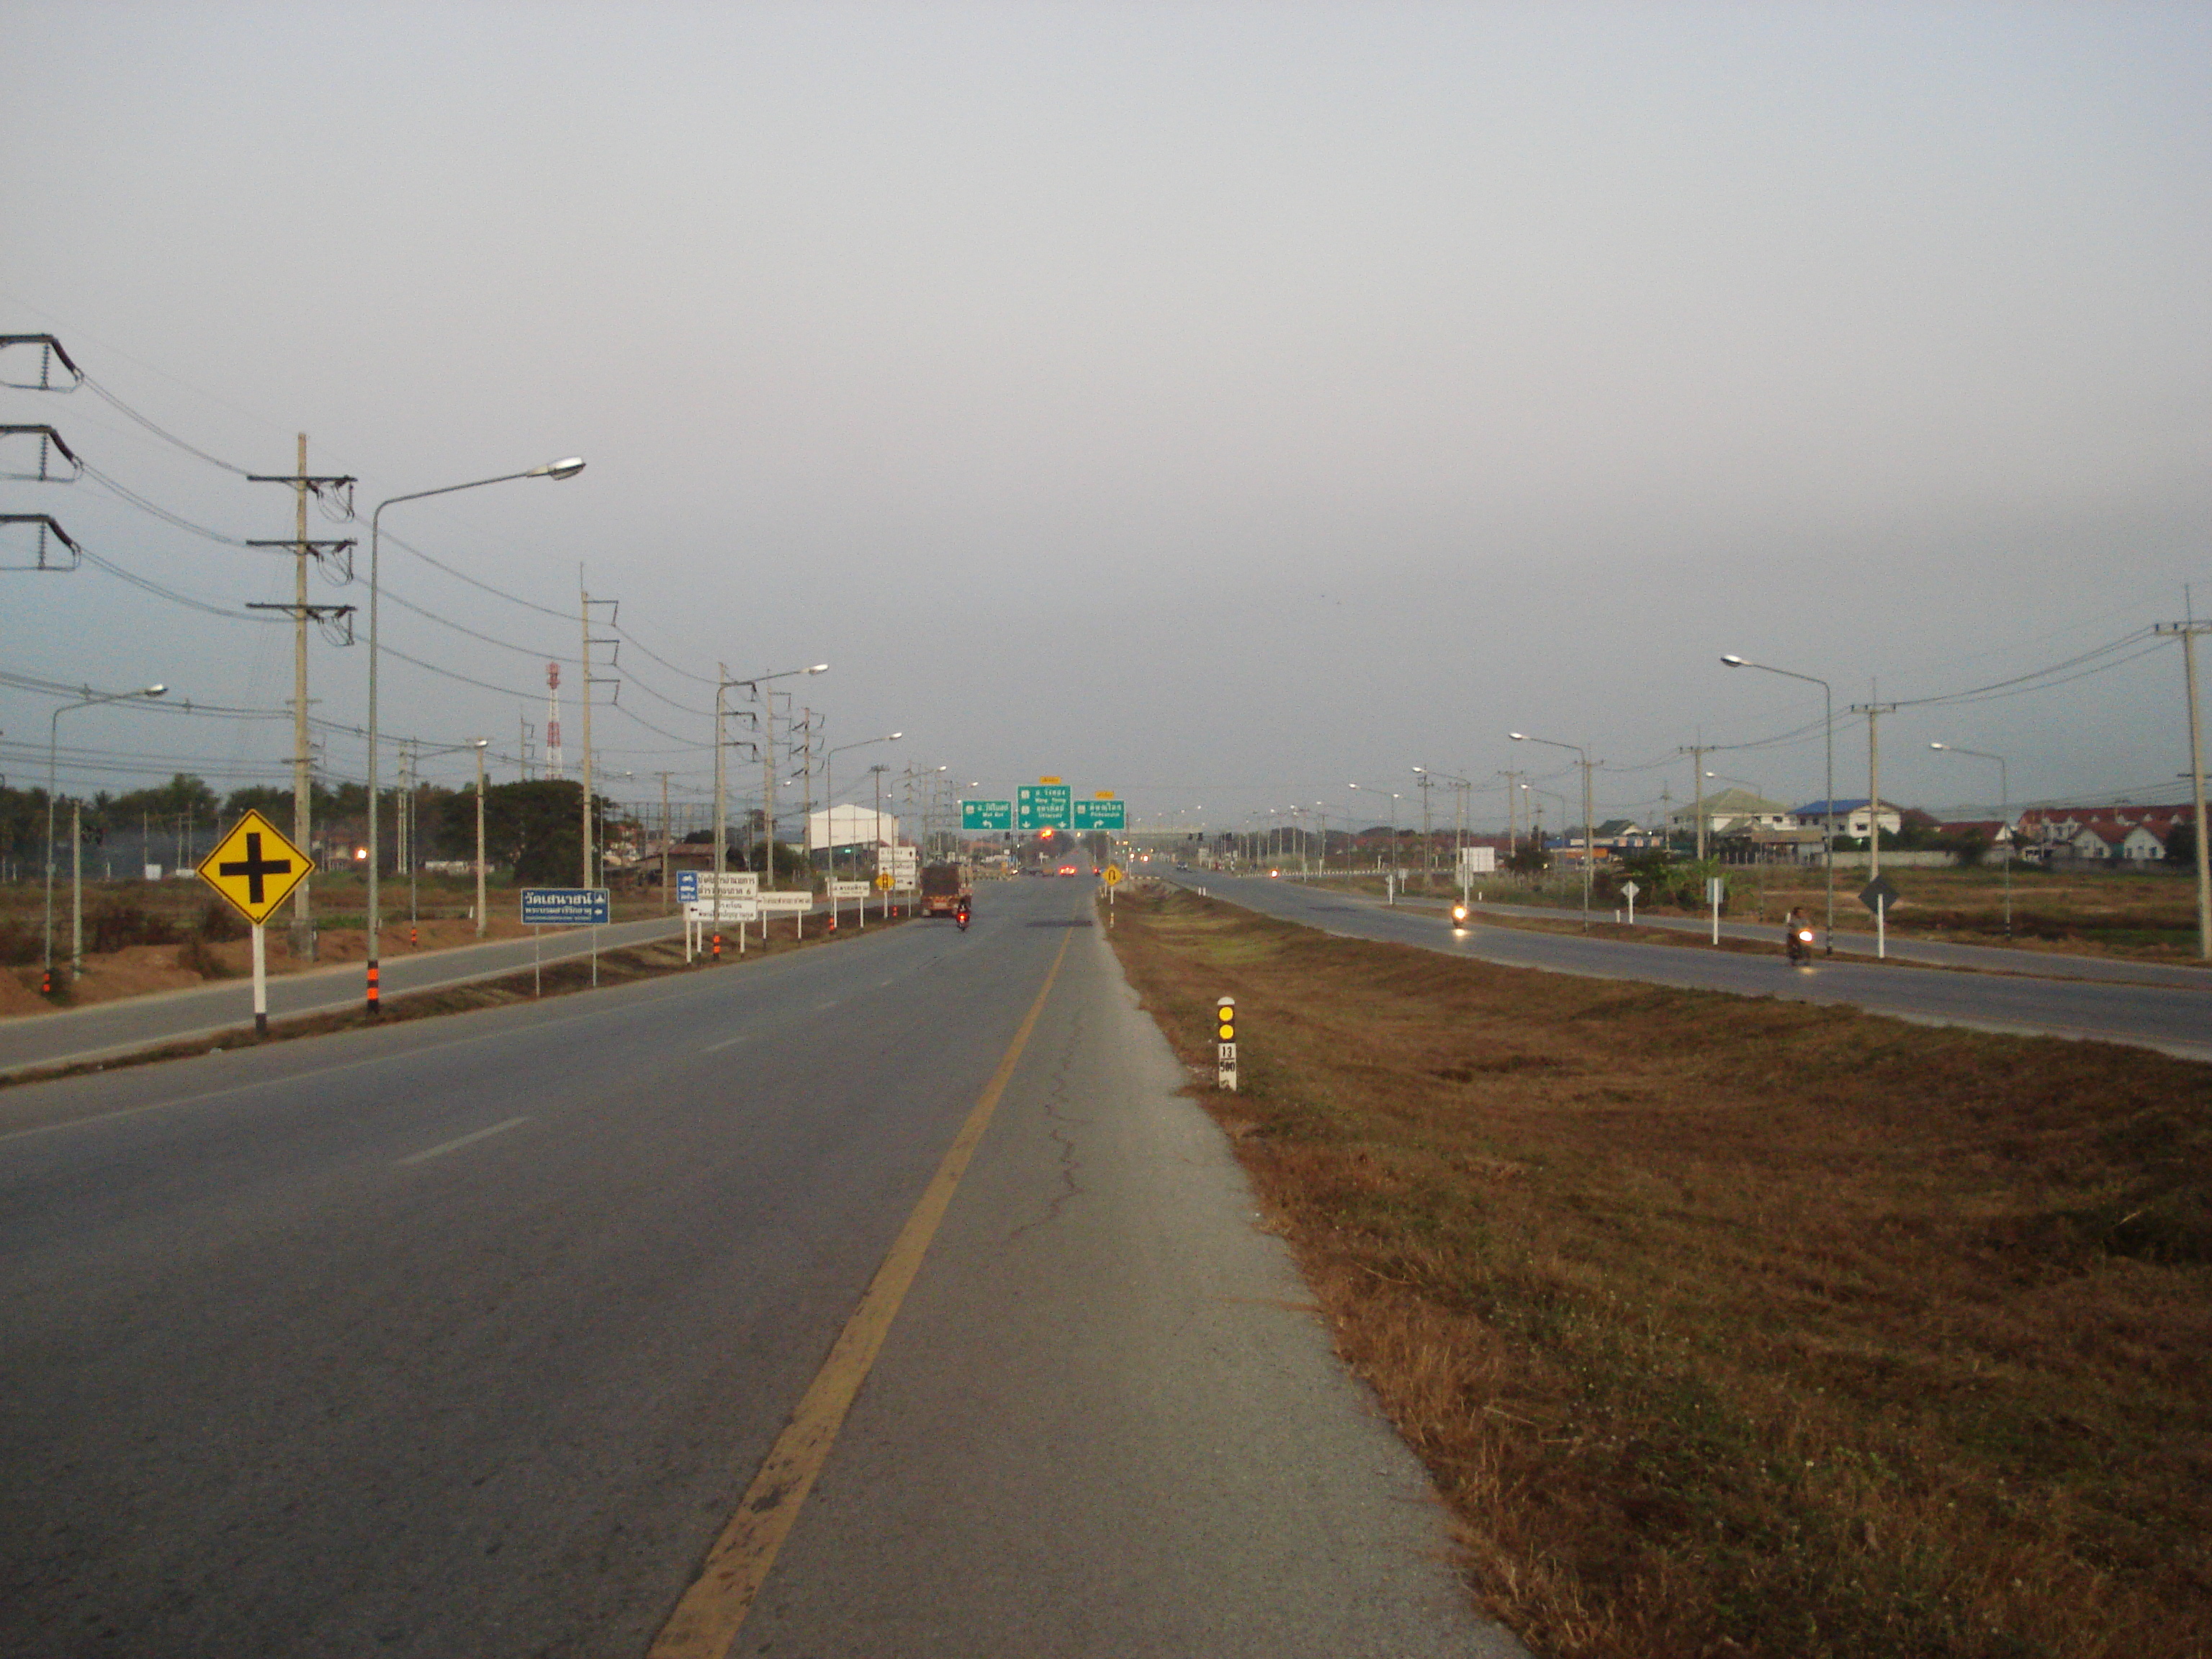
[(1738, 1326)]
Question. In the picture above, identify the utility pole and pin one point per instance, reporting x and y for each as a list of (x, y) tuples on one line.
[(1697, 752), (1428, 842), (615, 651), (665, 839), (301, 941), (2189, 630), (1512, 810), (1874, 712), (806, 785)]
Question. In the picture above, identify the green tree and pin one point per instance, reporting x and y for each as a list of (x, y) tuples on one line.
[(180, 794), (532, 829)]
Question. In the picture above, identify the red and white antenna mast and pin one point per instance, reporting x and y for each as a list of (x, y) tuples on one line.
[(553, 720)]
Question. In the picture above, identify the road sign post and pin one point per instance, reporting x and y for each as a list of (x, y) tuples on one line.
[(254, 868), (1716, 890), (1629, 890), (1224, 1044), (1880, 897), (564, 907)]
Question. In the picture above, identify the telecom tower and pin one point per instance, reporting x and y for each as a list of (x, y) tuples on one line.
[(553, 764)]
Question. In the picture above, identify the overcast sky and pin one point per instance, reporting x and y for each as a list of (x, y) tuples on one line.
[(1216, 403)]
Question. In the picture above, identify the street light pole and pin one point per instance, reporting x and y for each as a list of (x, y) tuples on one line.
[(2004, 814), (563, 468), (1590, 831), (830, 789), (54, 751), (2189, 630), (1829, 806)]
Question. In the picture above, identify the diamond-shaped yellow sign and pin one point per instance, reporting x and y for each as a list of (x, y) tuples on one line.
[(255, 866), (1111, 875)]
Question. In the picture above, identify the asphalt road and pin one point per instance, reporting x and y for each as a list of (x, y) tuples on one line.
[(2174, 1019), (464, 1336), (1849, 941)]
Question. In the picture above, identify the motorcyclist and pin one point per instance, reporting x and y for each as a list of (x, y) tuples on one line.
[(1797, 935), (960, 914)]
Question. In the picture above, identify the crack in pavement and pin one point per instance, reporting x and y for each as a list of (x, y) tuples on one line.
[(1062, 1124)]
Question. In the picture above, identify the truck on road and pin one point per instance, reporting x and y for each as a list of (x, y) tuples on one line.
[(945, 888)]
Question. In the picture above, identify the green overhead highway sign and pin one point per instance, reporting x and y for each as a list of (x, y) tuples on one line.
[(1046, 805), (987, 815), (1102, 815)]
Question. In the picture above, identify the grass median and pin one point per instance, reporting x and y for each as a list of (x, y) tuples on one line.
[(1731, 1325)]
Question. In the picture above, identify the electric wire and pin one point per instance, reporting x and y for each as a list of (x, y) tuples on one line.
[(158, 430), (170, 593), (131, 497)]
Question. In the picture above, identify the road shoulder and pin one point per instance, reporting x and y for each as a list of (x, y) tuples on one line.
[(1109, 1419)]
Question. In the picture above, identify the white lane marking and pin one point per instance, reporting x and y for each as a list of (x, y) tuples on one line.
[(466, 1139), (726, 1042)]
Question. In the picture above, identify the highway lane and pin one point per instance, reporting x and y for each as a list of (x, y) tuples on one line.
[(105, 1028), (2176, 1020), (464, 1336), (1940, 953)]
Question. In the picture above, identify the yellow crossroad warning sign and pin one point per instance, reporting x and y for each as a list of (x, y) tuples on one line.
[(255, 867)]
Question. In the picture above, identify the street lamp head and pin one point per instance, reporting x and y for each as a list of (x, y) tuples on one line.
[(1733, 662), (894, 737), (479, 743), (1518, 736), (563, 469), (819, 668), (1939, 745), (155, 691)]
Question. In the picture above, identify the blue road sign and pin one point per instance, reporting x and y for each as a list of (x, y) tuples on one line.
[(566, 906)]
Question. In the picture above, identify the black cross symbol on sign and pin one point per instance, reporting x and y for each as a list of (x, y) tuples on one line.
[(253, 866)]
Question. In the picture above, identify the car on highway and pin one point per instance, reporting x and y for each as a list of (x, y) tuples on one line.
[(1066, 870)]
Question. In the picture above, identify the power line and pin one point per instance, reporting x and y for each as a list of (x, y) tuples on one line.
[(158, 430)]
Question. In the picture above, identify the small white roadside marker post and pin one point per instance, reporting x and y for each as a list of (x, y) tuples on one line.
[(1225, 1048), (1628, 890), (1716, 889)]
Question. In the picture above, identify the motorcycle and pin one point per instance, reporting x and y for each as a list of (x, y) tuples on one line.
[(961, 916), (1799, 944), (1460, 918)]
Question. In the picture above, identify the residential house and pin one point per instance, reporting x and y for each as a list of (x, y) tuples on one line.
[(1733, 810), (1854, 818)]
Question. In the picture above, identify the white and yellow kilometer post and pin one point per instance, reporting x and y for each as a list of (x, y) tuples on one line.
[(1224, 1044), (1111, 875), (255, 868)]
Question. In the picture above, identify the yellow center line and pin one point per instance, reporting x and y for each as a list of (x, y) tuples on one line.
[(706, 1620)]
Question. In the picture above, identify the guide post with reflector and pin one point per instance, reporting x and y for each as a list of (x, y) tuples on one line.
[(1224, 1041)]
